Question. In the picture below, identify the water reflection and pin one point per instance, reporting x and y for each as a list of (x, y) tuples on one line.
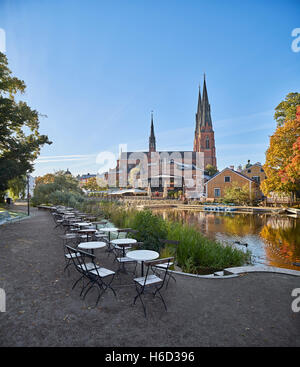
[(273, 240)]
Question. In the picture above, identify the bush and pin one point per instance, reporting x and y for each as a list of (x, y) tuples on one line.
[(150, 229)]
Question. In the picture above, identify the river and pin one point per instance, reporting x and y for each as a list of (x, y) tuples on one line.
[(272, 239)]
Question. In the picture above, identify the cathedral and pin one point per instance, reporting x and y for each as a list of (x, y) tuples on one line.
[(158, 177)]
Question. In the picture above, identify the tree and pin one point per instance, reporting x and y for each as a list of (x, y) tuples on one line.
[(64, 190), (291, 172), (47, 178), (282, 160), (20, 140), (286, 110), (236, 194), (93, 184), (212, 170), (16, 187)]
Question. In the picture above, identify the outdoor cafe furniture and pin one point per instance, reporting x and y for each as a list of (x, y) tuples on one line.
[(92, 245), (144, 283), (109, 230), (123, 244), (82, 224), (163, 266), (87, 231), (68, 239), (84, 263), (142, 256)]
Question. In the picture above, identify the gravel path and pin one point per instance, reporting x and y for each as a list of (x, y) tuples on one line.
[(42, 310)]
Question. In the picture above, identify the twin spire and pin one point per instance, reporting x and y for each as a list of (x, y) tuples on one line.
[(203, 116)]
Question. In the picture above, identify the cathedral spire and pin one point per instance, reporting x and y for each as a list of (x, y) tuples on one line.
[(152, 140), (198, 114), (206, 117)]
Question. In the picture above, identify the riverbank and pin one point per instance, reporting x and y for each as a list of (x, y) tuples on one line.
[(43, 311), (179, 205)]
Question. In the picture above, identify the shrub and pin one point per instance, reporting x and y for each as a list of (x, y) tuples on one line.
[(150, 229)]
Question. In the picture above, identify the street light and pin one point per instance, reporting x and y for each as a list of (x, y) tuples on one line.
[(28, 198)]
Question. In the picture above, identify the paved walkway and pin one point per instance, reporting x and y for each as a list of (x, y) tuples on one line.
[(251, 310)]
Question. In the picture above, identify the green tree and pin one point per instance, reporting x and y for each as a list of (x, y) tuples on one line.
[(20, 140), (286, 110), (16, 187), (236, 194), (64, 190), (212, 170)]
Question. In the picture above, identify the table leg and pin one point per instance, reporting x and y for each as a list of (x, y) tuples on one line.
[(142, 268)]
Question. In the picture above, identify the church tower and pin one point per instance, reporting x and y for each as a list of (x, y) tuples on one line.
[(152, 141), (204, 140)]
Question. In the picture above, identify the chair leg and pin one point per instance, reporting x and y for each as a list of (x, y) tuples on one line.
[(139, 294), (74, 285), (161, 297), (170, 276)]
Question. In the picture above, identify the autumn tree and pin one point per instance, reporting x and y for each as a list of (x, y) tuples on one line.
[(282, 160), (47, 178), (95, 184), (20, 140), (291, 172), (286, 110)]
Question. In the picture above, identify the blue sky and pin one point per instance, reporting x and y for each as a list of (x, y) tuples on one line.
[(98, 68)]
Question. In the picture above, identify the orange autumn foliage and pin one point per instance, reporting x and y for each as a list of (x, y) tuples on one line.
[(283, 160)]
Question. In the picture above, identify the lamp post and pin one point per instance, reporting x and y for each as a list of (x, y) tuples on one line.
[(28, 198)]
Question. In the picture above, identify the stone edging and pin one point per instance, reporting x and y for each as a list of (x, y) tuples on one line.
[(235, 272)]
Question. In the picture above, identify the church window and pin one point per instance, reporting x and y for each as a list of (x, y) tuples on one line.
[(207, 143)]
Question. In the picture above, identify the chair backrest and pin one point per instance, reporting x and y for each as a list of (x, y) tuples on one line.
[(85, 257), (79, 257), (149, 264)]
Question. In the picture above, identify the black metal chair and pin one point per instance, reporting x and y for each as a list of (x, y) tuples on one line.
[(152, 280), (173, 244), (93, 273), (123, 261), (68, 239)]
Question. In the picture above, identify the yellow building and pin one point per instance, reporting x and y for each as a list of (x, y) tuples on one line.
[(216, 186), (255, 172)]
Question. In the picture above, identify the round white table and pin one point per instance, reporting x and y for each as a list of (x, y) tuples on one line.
[(108, 229), (82, 224), (142, 255), (87, 231), (123, 242), (92, 245)]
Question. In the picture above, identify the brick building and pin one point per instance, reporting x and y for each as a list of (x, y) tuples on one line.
[(216, 186)]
